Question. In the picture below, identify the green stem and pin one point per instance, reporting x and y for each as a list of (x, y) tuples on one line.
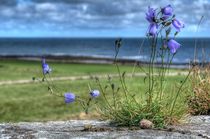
[(50, 88), (103, 93), (151, 70), (87, 106), (178, 92), (120, 76)]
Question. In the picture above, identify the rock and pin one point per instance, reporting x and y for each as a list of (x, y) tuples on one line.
[(83, 115), (204, 119), (146, 124)]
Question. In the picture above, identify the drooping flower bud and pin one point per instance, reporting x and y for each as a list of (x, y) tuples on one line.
[(178, 24), (94, 93), (69, 97), (167, 10), (153, 28), (45, 67), (173, 46), (150, 15)]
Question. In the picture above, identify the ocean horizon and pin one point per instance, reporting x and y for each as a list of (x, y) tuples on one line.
[(132, 48)]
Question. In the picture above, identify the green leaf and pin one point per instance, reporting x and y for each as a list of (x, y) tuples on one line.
[(145, 79), (168, 31), (176, 33), (123, 74), (118, 43), (112, 85), (167, 24)]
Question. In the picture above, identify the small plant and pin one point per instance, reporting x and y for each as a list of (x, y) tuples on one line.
[(199, 101), (156, 104), (128, 110)]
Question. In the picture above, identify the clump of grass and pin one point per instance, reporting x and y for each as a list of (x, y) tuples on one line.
[(131, 113), (126, 108), (199, 101)]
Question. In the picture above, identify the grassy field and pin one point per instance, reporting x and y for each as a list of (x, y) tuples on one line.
[(14, 70), (32, 102)]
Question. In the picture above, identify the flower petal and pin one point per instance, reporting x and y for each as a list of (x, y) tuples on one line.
[(69, 97), (173, 46), (94, 93)]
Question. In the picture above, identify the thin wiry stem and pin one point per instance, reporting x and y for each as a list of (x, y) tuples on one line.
[(178, 92), (119, 72), (136, 62), (196, 39)]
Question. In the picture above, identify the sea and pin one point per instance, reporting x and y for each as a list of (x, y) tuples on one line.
[(132, 48)]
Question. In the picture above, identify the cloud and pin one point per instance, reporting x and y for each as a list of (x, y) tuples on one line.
[(8, 3), (63, 15)]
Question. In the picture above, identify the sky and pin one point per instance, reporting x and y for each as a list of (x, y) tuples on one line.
[(95, 18)]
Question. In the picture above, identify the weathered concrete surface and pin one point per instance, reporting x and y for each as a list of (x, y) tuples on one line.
[(88, 129)]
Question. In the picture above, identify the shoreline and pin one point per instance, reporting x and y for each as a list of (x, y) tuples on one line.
[(92, 60)]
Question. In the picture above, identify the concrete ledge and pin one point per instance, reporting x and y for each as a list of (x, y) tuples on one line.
[(86, 129)]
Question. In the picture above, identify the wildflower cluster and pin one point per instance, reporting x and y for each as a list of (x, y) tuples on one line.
[(124, 108), (127, 109), (162, 30), (162, 20), (69, 97)]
